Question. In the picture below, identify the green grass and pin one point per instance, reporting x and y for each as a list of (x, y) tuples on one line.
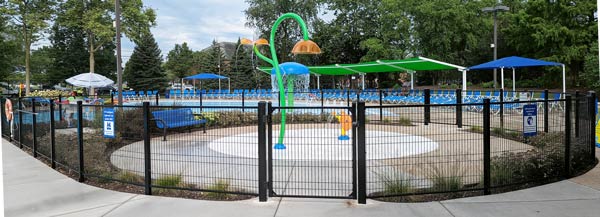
[(395, 184), (168, 181), (447, 180), (219, 185), (476, 129), (130, 177)]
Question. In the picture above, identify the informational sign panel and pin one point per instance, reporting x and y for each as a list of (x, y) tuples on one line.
[(529, 120), (108, 115)]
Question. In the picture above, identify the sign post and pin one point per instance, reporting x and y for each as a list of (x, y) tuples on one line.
[(529, 120), (108, 115)]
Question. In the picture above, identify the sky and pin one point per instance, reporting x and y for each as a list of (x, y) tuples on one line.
[(195, 22)]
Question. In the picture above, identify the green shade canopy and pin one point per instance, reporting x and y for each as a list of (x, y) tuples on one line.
[(411, 65)]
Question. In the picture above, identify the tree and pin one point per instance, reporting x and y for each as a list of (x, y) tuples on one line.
[(560, 31), (180, 60), (143, 70), (9, 50), (241, 70), (94, 17), (69, 45), (261, 14), (31, 18)]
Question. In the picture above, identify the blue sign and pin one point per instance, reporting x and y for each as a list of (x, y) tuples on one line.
[(530, 120), (108, 115)]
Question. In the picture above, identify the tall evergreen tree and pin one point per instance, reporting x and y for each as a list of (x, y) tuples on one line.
[(143, 70), (241, 71), (180, 61)]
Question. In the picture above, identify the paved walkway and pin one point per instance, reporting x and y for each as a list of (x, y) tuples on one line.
[(33, 189)]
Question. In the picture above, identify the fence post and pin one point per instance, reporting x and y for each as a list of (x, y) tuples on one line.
[(147, 151), (269, 145), (80, 139), (361, 156), (577, 95), (52, 136), (546, 110), (486, 147), (322, 101), (201, 95), (347, 97), (60, 117), (20, 106), (34, 127), (262, 152), (380, 105), (501, 98), (567, 139), (592, 126), (427, 102), (243, 101), (458, 95), (353, 112), (157, 97)]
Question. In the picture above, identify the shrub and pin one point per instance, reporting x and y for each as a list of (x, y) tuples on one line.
[(476, 129), (168, 181), (130, 177), (405, 121), (448, 178), (395, 183), (487, 84), (219, 187)]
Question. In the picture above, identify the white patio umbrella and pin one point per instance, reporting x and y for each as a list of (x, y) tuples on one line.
[(89, 80)]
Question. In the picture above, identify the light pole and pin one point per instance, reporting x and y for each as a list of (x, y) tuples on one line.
[(118, 37), (495, 10)]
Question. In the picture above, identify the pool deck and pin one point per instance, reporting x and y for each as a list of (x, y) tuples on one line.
[(33, 189)]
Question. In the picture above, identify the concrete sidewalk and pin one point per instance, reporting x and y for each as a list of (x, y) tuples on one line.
[(33, 189)]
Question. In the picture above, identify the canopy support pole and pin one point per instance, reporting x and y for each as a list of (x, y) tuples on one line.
[(318, 81), (514, 89), (412, 79), (564, 80), (464, 80), (362, 78), (502, 78)]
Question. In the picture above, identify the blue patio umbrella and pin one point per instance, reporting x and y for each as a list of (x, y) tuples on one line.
[(517, 62), (208, 76)]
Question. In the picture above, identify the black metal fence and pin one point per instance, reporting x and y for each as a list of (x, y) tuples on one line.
[(433, 142)]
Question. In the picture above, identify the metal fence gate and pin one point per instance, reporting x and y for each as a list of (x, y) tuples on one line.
[(316, 162)]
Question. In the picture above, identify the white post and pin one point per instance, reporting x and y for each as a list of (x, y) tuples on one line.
[(502, 77), (564, 79), (229, 84), (362, 78), (514, 81), (464, 79), (318, 82), (412, 81)]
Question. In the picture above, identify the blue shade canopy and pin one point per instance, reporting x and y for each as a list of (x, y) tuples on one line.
[(291, 68), (513, 62), (205, 76)]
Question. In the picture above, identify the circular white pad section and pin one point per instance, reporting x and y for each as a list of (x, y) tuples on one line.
[(323, 144)]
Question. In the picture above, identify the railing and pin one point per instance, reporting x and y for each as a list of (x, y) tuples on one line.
[(432, 143)]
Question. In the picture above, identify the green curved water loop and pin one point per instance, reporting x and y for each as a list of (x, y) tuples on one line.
[(275, 63)]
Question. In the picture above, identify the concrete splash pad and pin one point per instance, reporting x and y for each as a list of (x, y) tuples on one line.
[(323, 144)]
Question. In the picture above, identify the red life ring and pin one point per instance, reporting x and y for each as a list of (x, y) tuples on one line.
[(8, 110)]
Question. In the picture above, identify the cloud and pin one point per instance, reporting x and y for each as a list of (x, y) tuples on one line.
[(196, 22)]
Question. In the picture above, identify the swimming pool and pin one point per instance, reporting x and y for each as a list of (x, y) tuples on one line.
[(251, 106)]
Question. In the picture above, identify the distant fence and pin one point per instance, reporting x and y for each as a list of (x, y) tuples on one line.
[(426, 143)]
